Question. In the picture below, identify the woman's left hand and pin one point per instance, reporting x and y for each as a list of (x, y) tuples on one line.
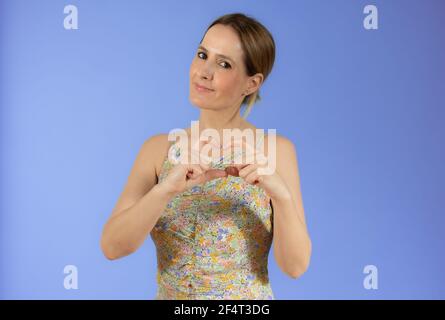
[(272, 183)]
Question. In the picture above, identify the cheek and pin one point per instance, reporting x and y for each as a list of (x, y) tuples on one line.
[(228, 84), (192, 68)]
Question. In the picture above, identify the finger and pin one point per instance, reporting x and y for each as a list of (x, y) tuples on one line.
[(214, 174), (252, 177), (194, 171), (232, 171), (244, 172)]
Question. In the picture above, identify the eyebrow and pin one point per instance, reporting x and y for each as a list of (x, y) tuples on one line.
[(219, 55)]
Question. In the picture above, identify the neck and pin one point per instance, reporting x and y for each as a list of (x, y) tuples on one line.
[(221, 119)]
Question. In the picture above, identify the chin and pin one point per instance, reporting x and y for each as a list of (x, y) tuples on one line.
[(200, 103), (203, 106)]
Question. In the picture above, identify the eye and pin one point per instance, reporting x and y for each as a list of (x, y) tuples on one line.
[(200, 53), (226, 64)]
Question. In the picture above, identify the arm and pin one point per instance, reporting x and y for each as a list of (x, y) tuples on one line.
[(292, 245), (139, 206)]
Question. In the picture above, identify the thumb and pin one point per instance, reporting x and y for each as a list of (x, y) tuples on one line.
[(214, 174)]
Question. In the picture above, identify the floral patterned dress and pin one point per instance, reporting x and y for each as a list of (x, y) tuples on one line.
[(213, 240)]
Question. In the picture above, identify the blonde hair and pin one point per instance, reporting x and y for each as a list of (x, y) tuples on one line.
[(258, 46)]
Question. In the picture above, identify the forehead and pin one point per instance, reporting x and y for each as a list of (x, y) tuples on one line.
[(223, 40)]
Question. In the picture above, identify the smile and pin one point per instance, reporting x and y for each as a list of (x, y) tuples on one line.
[(202, 89)]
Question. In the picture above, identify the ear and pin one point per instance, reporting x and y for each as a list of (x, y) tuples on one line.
[(254, 83)]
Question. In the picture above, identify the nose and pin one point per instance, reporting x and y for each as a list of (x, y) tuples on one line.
[(205, 71)]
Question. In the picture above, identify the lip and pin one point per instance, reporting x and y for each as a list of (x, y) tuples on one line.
[(202, 88)]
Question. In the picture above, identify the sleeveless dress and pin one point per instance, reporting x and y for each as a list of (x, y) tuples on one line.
[(213, 240)]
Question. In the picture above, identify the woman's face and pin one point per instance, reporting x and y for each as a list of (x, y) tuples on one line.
[(225, 76)]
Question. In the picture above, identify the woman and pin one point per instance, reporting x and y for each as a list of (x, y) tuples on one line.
[(212, 224)]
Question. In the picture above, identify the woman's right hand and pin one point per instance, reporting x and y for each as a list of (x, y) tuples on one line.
[(184, 176)]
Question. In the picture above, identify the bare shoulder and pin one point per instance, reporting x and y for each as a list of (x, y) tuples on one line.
[(283, 145), (286, 150)]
